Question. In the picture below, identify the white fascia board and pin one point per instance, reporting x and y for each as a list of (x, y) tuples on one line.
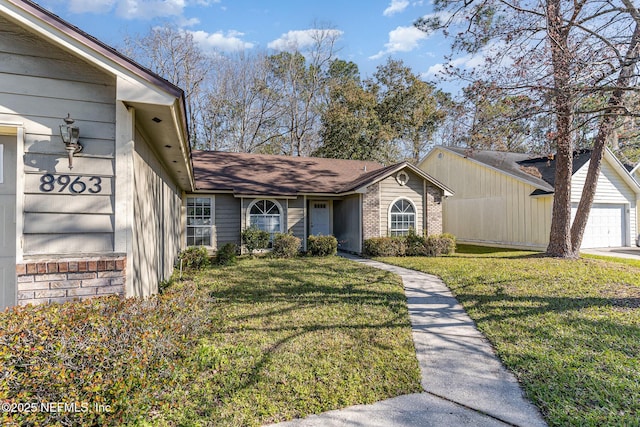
[(185, 150), (622, 171), (130, 89)]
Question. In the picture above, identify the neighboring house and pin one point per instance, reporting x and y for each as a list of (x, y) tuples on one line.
[(112, 224), (505, 199), (352, 200), (635, 173)]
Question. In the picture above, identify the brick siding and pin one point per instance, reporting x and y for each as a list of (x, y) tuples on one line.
[(68, 279), (371, 212), (434, 210)]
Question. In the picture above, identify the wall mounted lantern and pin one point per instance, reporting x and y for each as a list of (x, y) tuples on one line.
[(70, 135)]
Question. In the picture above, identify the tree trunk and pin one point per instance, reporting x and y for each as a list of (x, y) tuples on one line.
[(560, 236), (605, 129)]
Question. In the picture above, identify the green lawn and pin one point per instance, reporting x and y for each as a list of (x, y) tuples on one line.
[(568, 329), (262, 341)]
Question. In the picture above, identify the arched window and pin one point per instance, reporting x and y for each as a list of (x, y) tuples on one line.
[(266, 215), (402, 217)]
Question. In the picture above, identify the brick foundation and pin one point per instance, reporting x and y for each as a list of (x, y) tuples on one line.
[(64, 280)]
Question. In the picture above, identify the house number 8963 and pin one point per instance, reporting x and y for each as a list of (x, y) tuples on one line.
[(73, 184)]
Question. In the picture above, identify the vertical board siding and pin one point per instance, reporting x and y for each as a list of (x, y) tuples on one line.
[(391, 190), (296, 217), (346, 223), (157, 227), (41, 84), (611, 189), (227, 220), (488, 206)]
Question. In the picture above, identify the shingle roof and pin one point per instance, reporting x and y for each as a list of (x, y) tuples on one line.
[(262, 174), (538, 170)]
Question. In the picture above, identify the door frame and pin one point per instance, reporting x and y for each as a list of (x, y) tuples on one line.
[(329, 202), (16, 130)]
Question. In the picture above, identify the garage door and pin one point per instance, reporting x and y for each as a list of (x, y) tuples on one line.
[(606, 226)]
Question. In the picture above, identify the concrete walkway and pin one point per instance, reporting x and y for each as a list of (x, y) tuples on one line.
[(465, 384)]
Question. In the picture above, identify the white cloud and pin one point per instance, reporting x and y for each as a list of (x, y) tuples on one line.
[(229, 42), (402, 39), (298, 39), (91, 6), (396, 6), (136, 9)]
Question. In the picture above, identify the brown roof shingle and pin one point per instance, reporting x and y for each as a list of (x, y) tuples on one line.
[(262, 174)]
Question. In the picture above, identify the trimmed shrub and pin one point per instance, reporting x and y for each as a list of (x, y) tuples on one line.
[(440, 244), (415, 245), (322, 245), (285, 246), (410, 245), (253, 239), (194, 258), (226, 255), (385, 246), (448, 243)]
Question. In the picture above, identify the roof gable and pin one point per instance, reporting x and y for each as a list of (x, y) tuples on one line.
[(536, 170)]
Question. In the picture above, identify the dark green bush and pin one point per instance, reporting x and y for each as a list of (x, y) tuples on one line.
[(415, 245), (194, 258), (385, 246), (285, 246), (254, 239), (226, 255), (322, 245)]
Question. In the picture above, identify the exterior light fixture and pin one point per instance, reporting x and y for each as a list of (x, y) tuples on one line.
[(70, 135)]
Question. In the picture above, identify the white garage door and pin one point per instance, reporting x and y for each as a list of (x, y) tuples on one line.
[(606, 226)]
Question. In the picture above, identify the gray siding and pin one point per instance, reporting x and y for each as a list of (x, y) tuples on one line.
[(346, 223), (391, 190), (296, 218), (157, 229), (227, 220), (41, 84)]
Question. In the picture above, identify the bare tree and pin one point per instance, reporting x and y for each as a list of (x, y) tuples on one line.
[(242, 108), (561, 53), (173, 54)]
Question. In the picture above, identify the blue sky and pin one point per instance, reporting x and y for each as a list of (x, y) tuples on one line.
[(370, 31)]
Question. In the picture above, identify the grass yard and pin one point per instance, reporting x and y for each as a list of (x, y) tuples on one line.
[(259, 342), (568, 329)]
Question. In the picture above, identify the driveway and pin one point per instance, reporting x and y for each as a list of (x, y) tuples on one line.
[(631, 252)]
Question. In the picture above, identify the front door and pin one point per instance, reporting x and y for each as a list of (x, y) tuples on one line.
[(320, 217), (7, 221)]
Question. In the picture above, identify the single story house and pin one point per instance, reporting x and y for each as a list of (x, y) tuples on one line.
[(352, 200), (106, 219), (505, 199), (103, 201)]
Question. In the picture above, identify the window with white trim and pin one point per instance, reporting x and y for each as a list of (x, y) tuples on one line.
[(199, 221), (402, 217), (267, 216)]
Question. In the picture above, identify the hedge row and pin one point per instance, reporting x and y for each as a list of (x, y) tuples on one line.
[(410, 245)]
